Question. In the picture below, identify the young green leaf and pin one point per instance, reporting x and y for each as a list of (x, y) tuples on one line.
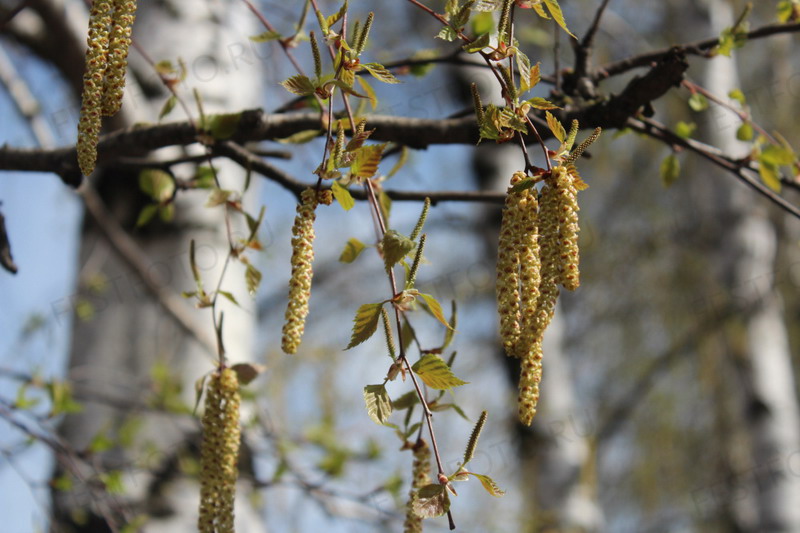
[(745, 132), (169, 105), (351, 251), (670, 169), (433, 370), (435, 308), (556, 127), (489, 484), (157, 184), (299, 85), (558, 16), (395, 247), (365, 323), (367, 159), (477, 44), (379, 405), (698, 102), (380, 73), (770, 175), (342, 196), (146, 215), (252, 278)]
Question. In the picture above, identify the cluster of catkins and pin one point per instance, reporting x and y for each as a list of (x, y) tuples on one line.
[(219, 453), (420, 471), (110, 24), (538, 251), (302, 272)]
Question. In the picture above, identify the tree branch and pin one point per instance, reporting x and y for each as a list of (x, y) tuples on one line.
[(696, 48)]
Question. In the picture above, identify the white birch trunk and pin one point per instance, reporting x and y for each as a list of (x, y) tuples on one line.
[(114, 353), (772, 417)]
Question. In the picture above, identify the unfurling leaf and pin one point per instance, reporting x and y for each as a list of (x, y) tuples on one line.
[(351, 251), (169, 105), (698, 102), (395, 247), (365, 323), (433, 370), (252, 278), (432, 500), (157, 184), (299, 85), (379, 405), (489, 484), (770, 175), (366, 161), (435, 308), (380, 73), (555, 126), (342, 196), (745, 132), (558, 16), (477, 44)]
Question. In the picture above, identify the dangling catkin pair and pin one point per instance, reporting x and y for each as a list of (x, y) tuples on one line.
[(110, 25), (538, 251)]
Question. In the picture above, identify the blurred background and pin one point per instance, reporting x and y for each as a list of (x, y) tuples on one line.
[(669, 399)]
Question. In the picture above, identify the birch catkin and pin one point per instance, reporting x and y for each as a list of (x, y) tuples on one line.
[(300, 283), (420, 472), (91, 105), (219, 453), (531, 364), (120, 41), (567, 207), (507, 286)]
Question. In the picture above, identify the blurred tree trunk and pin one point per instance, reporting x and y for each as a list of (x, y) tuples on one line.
[(764, 496), (125, 348)]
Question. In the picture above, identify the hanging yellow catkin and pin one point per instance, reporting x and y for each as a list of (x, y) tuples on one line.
[(119, 42), (529, 271), (507, 284), (531, 364), (420, 472), (91, 105), (567, 199), (219, 453), (300, 283)]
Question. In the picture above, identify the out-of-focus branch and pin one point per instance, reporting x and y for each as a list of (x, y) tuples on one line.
[(696, 48), (739, 169), (6, 260)]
